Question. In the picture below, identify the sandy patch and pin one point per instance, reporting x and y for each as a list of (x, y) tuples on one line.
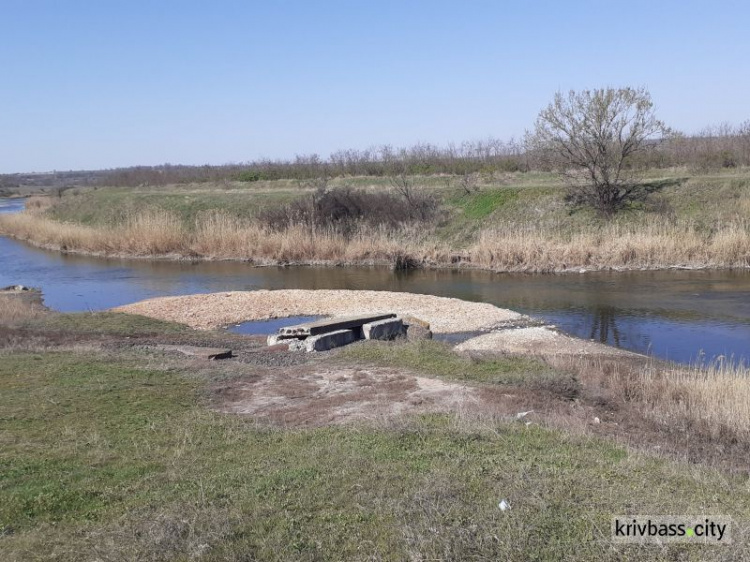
[(324, 396), (214, 310), (537, 341)]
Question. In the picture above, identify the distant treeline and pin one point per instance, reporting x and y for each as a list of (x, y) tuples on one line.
[(714, 148)]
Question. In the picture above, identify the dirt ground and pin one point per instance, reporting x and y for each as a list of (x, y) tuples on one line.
[(323, 395)]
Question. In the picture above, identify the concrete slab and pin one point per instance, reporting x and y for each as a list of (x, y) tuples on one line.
[(324, 342), (383, 329), (332, 325), (277, 339)]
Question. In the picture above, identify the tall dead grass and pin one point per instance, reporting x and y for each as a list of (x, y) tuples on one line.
[(216, 235), (647, 245), (39, 203), (16, 309), (510, 247), (713, 399)]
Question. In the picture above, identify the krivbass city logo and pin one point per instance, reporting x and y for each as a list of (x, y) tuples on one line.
[(660, 529)]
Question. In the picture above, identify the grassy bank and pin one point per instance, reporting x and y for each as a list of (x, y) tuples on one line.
[(113, 452), (516, 222), (708, 403), (120, 460)]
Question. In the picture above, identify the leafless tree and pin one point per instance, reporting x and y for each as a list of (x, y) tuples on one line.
[(469, 182), (591, 138)]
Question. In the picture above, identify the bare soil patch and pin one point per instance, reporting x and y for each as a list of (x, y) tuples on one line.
[(316, 395)]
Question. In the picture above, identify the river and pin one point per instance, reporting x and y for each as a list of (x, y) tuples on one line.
[(676, 315)]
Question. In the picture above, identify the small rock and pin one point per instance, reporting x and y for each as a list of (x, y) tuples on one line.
[(504, 505)]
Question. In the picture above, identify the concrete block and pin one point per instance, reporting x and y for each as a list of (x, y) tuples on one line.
[(332, 325), (324, 342), (276, 339), (296, 345), (383, 329)]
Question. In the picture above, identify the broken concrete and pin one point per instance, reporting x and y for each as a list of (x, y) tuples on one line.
[(331, 325), (276, 339), (384, 329), (324, 342)]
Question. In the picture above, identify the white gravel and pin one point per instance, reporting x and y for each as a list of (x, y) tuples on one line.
[(537, 341), (445, 315)]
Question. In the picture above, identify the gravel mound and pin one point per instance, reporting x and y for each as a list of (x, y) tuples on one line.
[(445, 315), (537, 341)]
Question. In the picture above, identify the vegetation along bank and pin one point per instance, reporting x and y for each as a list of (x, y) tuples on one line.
[(504, 222)]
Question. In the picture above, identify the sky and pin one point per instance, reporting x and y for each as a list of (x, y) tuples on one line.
[(92, 84)]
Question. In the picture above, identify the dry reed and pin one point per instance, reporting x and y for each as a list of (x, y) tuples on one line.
[(713, 399), (647, 245), (15, 309), (509, 247), (39, 203)]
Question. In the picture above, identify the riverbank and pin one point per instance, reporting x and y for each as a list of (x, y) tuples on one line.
[(114, 447), (651, 246), (712, 402), (515, 223)]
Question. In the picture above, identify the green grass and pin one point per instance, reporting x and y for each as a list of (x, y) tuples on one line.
[(111, 206), (519, 198), (112, 323), (437, 359), (102, 458), (480, 205)]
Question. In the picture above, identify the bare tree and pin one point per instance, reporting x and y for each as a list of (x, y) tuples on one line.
[(469, 182), (591, 138)]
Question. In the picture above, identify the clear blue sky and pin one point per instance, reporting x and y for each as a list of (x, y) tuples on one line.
[(106, 83)]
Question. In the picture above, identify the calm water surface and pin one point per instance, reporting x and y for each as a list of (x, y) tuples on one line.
[(670, 314)]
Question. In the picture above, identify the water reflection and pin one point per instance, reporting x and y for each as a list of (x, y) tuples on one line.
[(604, 325)]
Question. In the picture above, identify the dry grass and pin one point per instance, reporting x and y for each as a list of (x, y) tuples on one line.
[(215, 235), (712, 400), (649, 245), (510, 247), (15, 309), (39, 203)]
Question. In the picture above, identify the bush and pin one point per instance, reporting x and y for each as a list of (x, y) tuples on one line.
[(249, 176), (345, 210)]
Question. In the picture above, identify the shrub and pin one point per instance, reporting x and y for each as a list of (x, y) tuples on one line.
[(345, 210)]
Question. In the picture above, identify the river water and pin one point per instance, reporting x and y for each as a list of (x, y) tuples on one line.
[(676, 315)]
